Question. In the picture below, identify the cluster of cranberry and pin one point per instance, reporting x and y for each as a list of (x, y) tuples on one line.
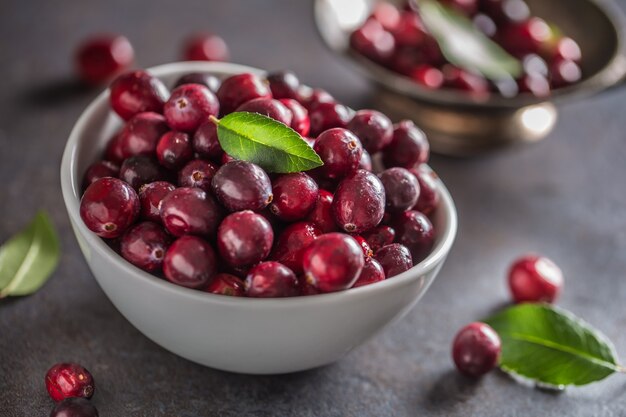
[(398, 40), (173, 202), (71, 386), (533, 279), (100, 57)]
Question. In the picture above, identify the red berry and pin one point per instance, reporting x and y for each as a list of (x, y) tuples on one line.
[(429, 196), (141, 169), (326, 116), (395, 259), (190, 262), (300, 121), (141, 134), (197, 173), (322, 215), (359, 202), (174, 150), (564, 73), (373, 41), (244, 238), (312, 97), (365, 247), (271, 279), (189, 106), (150, 197), (401, 189), (372, 272), (238, 89), (333, 262), (387, 14), (476, 349), (379, 237), (535, 279), (366, 161), (292, 242), (529, 36), (190, 211), (284, 85), (113, 151), (295, 195), (415, 231), (204, 78), (205, 141), (534, 83), (74, 407), (136, 92), (99, 170), (242, 185), (427, 76), (108, 207), (408, 148), (340, 151), (66, 380), (102, 57), (410, 30), (463, 80), (373, 129), (145, 245), (205, 47), (226, 284), (268, 107)]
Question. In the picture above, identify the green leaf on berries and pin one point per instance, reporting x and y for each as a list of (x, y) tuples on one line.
[(552, 346), (28, 259), (464, 45), (272, 145)]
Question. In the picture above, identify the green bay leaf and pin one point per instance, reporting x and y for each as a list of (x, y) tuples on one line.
[(28, 258), (464, 45), (264, 141), (552, 346)]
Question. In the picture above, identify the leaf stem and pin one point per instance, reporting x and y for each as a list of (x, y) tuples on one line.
[(214, 120), (621, 369)]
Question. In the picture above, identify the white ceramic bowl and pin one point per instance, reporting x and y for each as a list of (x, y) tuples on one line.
[(256, 336)]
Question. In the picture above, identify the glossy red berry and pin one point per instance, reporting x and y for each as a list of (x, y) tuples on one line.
[(99, 170), (141, 134), (108, 207), (379, 236), (365, 247), (410, 30), (395, 259), (326, 116), (238, 89), (566, 49), (401, 189), (244, 238), (174, 150), (387, 14), (460, 79), (340, 151), (416, 232), (312, 97), (534, 83), (373, 129), (372, 272), (226, 284), (197, 173), (333, 262), (292, 242), (141, 169), (150, 197), (74, 407), (144, 246), (67, 380), (284, 85), (271, 279), (429, 197), (322, 215), (190, 262), (359, 202), (300, 121), (190, 211), (203, 78), (205, 47), (529, 36), (476, 349), (536, 279), (268, 107), (373, 41), (101, 57), (113, 151), (189, 106), (408, 147), (427, 76), (205, 141), (136, 92), (242, 185), (295, 195), (564, 73)]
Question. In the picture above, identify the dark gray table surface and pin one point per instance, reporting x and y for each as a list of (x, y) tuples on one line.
[(564, 197)]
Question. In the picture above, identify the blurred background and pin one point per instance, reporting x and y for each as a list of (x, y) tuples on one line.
[(562, 197)]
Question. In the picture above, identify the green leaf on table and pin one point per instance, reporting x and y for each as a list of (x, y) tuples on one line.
[(552, 346), (29, 258), (264, 141), (464, 45)]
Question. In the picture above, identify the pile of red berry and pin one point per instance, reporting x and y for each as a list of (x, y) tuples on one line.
[(169, 199), (398, 40)]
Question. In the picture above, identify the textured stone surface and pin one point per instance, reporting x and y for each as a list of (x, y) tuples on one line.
[(564, 198)]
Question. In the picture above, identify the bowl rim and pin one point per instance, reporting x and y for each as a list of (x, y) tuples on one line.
[(71, 183), (608, 76)]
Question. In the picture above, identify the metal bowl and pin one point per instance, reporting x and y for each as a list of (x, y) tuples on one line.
[(459, 124)]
